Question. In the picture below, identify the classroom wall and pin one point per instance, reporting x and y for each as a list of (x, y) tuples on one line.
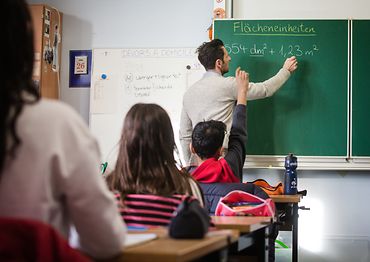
[(338, 200), (91, 24)]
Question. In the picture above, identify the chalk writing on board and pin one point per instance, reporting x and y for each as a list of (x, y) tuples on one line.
[(267, 50), (299, 29)]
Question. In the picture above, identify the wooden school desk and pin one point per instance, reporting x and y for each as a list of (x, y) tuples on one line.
[(243, 224), (253, 231), (166, 249), (288, 205)]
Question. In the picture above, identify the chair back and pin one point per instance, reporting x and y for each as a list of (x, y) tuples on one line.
[(29, 240)]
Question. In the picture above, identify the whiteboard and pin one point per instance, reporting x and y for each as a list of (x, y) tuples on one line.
[(123, 77)]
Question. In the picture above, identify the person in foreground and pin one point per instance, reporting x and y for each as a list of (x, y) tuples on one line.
[(148, 183), (214, 96), (49, 161)]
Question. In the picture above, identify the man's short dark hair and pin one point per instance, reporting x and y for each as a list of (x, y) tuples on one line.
[(208, 137), (209, 52)]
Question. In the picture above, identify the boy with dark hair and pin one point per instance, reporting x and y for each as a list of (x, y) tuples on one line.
[(207, 140), (220, 175)]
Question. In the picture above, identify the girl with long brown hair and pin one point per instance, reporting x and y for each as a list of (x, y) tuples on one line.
[(146, 175)]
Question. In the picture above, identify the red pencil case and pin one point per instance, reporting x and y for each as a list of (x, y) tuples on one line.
[(240, 203)]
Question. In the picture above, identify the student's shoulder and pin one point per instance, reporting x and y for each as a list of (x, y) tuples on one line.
[(55, 114), (54, 105), (54, 108)]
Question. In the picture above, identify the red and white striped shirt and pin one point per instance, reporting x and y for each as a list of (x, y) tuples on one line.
[(148, 210)]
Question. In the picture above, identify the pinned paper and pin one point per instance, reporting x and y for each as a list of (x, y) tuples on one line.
[(104, 95)]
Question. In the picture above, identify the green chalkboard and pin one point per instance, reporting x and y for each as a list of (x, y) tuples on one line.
[(308, 115), (361, 88)]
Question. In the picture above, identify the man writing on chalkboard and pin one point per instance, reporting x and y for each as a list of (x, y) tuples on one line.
[(214, 96)]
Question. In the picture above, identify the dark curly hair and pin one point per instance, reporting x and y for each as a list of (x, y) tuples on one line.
[(209, 52), (207, 138), (16, 68)]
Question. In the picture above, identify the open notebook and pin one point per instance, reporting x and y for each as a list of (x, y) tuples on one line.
[(131, 239), (138, 238)]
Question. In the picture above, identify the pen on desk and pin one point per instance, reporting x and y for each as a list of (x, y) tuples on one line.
[(137, 228)]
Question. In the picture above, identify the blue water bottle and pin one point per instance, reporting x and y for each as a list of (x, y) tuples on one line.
[(290, 180)]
